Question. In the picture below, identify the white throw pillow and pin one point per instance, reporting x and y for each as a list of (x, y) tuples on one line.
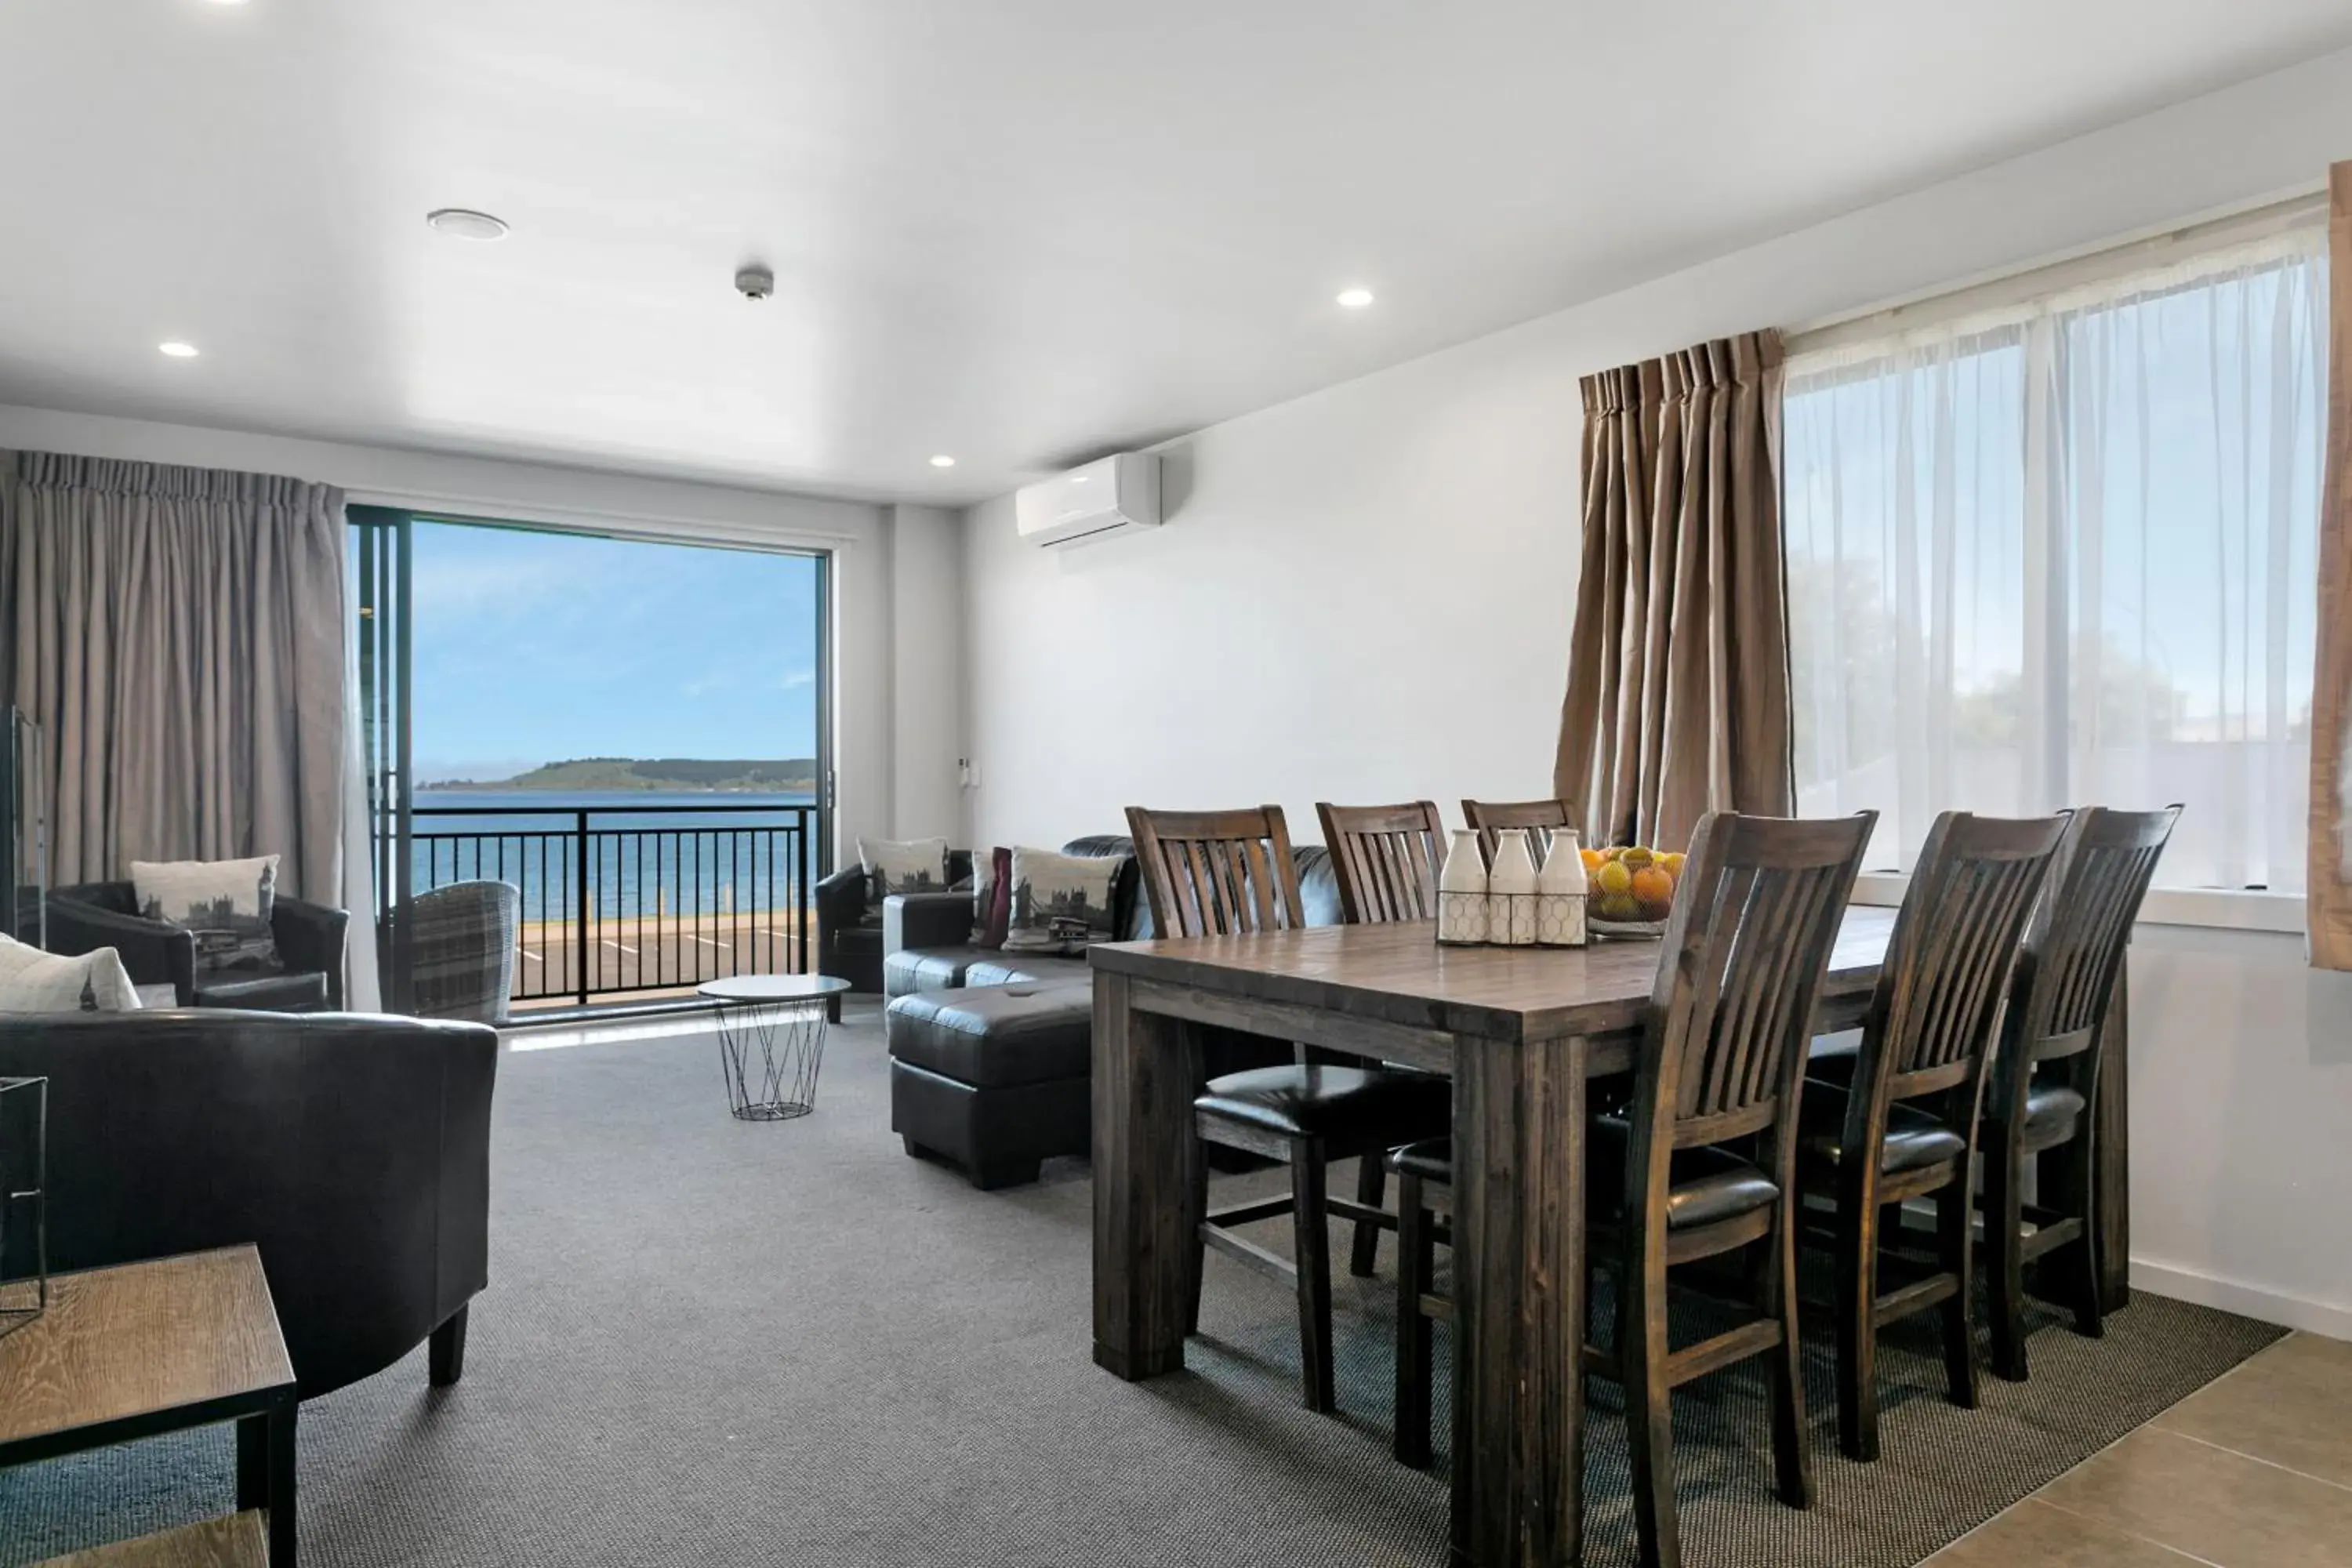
[(227, 903), (32, 981), (914, 866), (1061, 903)]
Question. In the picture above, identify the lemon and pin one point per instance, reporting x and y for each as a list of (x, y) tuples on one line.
[(1614, 877)]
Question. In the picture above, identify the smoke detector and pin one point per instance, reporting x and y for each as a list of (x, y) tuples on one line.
[(755, 283)]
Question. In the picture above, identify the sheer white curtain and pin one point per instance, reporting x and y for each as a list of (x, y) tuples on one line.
[(2063, 553)]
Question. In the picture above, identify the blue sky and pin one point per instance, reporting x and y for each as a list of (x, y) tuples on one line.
[(531, 647)]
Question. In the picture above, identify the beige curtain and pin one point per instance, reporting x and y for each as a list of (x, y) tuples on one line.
[(1678, 670), (179, 631), (2328, 866)]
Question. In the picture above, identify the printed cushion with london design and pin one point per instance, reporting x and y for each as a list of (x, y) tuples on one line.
[(32, 981), (892, 866), (226, 903), (1061, 903)]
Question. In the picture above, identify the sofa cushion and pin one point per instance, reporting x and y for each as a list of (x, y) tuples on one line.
[(226, 903), (997, 1037), (1027, 969), (1061, 903), (32, 981), (992, 899), (894, 866), (913, 969), (859, 938)]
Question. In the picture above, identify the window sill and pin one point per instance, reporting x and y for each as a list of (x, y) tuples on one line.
[(2211, 908)]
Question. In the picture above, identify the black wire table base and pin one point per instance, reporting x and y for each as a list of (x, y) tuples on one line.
[(770, 1052)]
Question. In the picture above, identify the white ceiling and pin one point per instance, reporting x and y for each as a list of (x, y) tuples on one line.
[(1017, 231)]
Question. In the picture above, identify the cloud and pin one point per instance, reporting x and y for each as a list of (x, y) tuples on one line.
[(796, 681)]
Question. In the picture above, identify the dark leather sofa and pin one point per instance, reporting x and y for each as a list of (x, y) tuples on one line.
[(849, 945), (992, 1052), (353, 1150), (309, 937)]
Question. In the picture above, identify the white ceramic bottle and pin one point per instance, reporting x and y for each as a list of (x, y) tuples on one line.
[(1561, 888), (1511, 891), (1462, 893)]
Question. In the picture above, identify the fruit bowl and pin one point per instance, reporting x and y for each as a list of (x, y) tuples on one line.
[(1631, 890)]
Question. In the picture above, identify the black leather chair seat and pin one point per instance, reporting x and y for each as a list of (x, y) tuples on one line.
[(913, 969), (1432, 1160), (996, 1037), (859, 939), (1915, 1140), (1707, 1184), (264, 993), (1336, 1102), (1027, 969), (1704, 1185), (2050, 1110)]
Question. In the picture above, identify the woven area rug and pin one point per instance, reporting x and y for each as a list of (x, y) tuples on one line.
[(714, 1342)]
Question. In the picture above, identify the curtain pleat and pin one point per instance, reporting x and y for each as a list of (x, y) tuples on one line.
[(179, 632), (1678, 682)]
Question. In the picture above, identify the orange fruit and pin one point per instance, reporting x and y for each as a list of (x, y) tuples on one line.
[(1592, 859), (1653, 887)]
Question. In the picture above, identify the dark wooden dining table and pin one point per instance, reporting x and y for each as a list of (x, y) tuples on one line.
[(1522, 1032)]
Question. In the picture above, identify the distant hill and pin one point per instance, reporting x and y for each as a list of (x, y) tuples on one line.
[(655, 774)]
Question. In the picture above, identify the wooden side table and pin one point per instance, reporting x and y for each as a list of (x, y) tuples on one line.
[(162, 1346)]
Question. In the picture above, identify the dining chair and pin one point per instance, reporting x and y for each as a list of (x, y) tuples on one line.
[(1228, 873), (1904, 1124), (2046, 1079), (1489, 818), (1386, 860), (1703, 1162)]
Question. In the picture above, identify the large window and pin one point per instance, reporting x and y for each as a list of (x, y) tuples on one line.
[(2065, 551)]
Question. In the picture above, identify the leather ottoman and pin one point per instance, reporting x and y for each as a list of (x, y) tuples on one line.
[(996, 1079)]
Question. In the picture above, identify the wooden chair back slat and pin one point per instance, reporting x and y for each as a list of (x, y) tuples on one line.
[(1750, 939), (1385, 859), (1216, 873), (1491, 816)]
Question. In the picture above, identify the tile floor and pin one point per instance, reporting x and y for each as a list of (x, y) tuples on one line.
[(2253, 1471)]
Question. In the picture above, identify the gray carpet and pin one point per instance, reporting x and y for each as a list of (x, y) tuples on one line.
[(714, 1342)]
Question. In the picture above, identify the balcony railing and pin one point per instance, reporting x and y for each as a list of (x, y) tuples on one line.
[(619, 900)]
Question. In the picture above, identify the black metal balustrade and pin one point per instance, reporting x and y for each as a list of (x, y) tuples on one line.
[(650, 905)]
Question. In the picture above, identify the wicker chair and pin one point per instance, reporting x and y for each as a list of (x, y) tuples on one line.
[(462, 940)]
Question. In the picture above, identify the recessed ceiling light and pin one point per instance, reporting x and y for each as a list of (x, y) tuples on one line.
[(463, 223), (177, 349), (943, 462), (1354, 298)]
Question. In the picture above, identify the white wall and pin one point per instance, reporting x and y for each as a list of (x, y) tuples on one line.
[(926, 671), (1366, 595), (868, 638)]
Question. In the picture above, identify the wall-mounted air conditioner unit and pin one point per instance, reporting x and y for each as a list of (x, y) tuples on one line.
[(1111, 496)]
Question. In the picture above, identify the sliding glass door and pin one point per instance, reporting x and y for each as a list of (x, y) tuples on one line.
[(634, 733)]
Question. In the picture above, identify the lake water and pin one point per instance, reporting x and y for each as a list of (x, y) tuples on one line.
[(648, 852)]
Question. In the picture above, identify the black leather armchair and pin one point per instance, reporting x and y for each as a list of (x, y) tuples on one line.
[(309, 938), (849, 945), (353, 1150)]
